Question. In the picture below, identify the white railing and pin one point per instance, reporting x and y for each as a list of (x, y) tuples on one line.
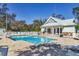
[(8, 34)]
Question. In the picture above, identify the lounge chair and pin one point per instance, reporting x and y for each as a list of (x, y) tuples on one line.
[(77, 37)]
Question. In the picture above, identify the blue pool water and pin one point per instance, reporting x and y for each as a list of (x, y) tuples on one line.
[(31, 39)]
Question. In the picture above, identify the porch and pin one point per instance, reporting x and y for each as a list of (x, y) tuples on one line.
[(52, 30), (60, 30)]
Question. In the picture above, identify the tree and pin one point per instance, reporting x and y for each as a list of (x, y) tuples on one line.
[(77, 26), (3, 12), (76, 14), (10, 17), (37, 23), (19, 26), (58, 16), (53, 15), (13, 16), (4, 8)]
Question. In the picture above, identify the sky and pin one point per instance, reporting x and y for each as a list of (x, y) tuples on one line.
[(31, 11)]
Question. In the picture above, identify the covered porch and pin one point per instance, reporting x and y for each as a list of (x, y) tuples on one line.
[(52, 30)]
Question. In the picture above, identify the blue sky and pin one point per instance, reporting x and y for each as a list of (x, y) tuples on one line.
[(31, 11)]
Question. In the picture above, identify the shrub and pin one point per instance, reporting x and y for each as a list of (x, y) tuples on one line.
[(61, 35)]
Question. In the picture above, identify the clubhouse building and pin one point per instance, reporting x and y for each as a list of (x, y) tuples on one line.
[(58, 26)]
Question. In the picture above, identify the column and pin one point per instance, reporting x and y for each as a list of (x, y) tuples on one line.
[(59, 30), (52, 30), (46, 30)]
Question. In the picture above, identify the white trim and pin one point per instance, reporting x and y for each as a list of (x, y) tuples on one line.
[(49, 19)]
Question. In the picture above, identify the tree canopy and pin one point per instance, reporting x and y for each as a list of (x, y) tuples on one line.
[(75, 12), (60, 16), (16, 25)]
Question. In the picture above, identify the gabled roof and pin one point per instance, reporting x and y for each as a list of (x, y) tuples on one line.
[(54, 19), (58, 22)]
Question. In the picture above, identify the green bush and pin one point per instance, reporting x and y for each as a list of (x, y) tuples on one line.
[(61, 35), (77, 26)]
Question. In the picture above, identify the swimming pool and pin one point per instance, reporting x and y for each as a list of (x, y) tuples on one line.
[(31, 39)]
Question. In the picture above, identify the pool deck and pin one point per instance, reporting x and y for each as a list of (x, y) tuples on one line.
[(62, 40), (14, 46), (21, 45)]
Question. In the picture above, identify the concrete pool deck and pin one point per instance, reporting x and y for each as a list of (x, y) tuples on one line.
[(63, 40), (14, 46)]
